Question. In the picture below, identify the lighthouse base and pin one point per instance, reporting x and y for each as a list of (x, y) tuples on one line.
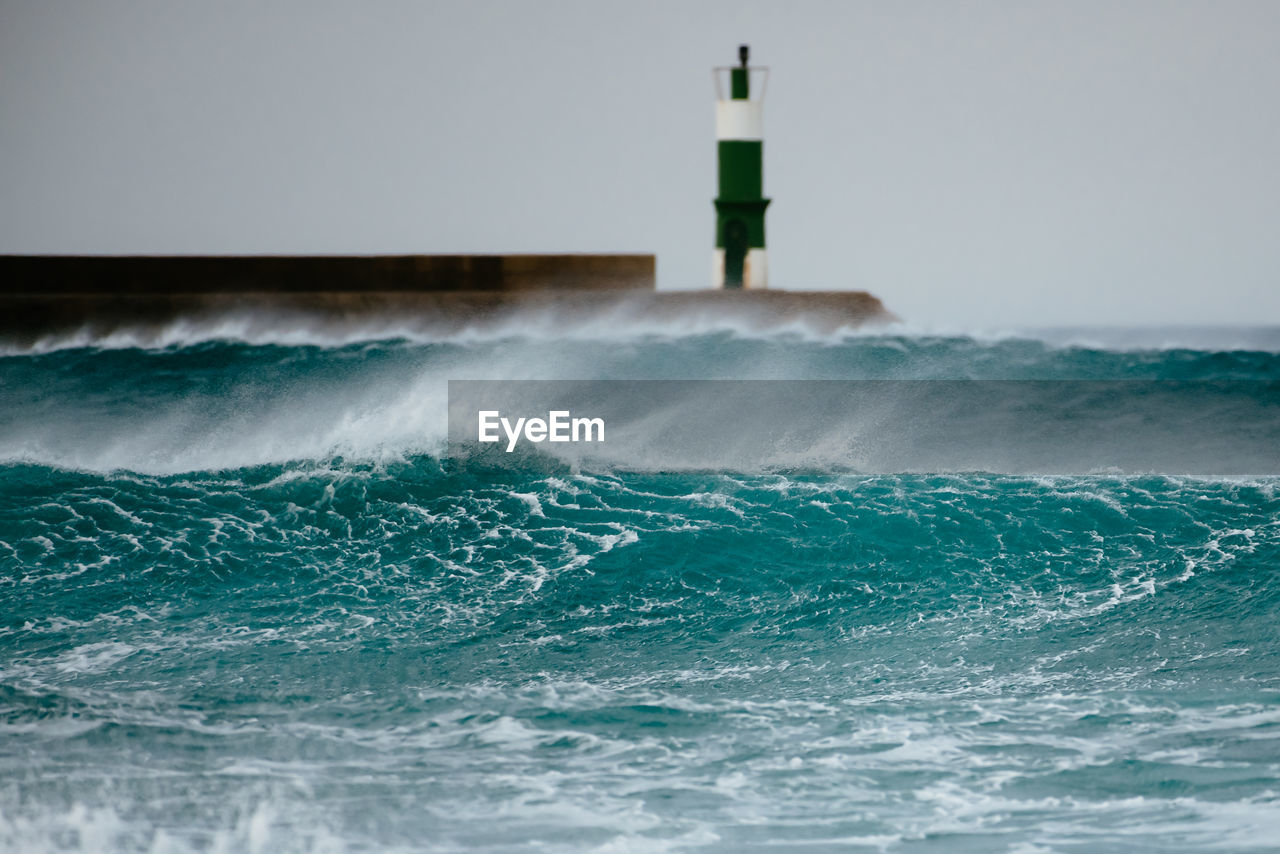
[(755, 270)]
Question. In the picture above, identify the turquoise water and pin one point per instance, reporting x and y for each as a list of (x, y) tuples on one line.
[(248, 606)]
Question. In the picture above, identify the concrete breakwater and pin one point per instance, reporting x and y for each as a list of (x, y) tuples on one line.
[(64, 295), (194, 274)]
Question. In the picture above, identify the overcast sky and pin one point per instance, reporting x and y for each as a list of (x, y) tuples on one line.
[(979, 163)]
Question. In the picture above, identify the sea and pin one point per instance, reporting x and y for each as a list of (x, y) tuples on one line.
[(250, 603)]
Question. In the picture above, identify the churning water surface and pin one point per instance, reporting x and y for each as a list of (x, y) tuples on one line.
[(249, 605)]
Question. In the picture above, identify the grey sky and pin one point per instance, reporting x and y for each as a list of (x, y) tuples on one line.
[(979, 163)]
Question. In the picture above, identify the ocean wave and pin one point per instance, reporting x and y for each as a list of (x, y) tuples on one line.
[(298, 328), (217, 405)]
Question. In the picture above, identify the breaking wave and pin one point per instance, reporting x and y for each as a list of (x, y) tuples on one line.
[(225, 404)]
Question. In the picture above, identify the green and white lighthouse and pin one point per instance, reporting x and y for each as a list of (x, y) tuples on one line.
[(740, 254)]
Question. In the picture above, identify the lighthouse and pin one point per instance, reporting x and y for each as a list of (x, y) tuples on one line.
[(740, 254)]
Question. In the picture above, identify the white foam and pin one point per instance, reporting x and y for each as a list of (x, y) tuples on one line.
[(262, 827), (94, 657)]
